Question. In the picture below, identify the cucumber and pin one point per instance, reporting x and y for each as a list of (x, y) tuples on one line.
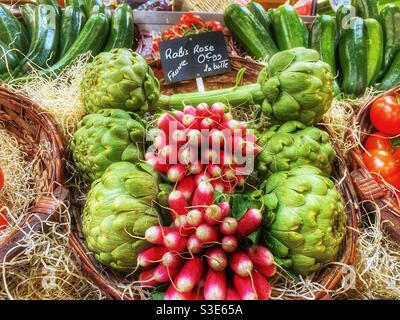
[(92, 38), (323, 39), (88, 6), (392, 77), (374, 49), (249, 32), (54, 4), (73, 20), (367, 9), (261, 15), (101, 8), (121, 35), (390, 20), (28, 13), (75, 3), (9, 59), (12, 32), (353, 57), (290, 31)]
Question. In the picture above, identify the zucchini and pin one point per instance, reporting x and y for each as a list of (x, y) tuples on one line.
[(353, 57), (323, 39), (12, 32), (374, 49), (101, 8), (73, 20), (9, 59), (88, 6), (121, 35), (28, 13), (290, 31), (261, 15), (54, 4), (92, 38), (392, 77), (249, 32), (75, 3), (367, 9), (390, 20)]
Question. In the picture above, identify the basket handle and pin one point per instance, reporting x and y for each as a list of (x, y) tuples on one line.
[(46, 209)]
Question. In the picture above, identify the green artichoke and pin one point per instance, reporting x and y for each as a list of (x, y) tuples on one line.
[(293, 144), (119, 209), (119, 79), (105, 137), (306, 219)]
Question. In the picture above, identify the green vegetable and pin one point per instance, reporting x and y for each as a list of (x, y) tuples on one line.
[(73, 20), (392, 77), (89, 4), (92, 38), (12, 33), (323, 39), (343, 17), (54, 5), (290, 31), (106, 137), (353, 51), (374, 49), (121, 35), (119, 209), (249, 32), (101, 8), (261, 15), (28, 14), (367, 9), (75, 3), (119, 79), (8, 60), (293, 144), (306, 219), (390, 20)]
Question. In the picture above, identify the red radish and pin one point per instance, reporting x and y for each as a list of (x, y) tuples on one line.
[(173, 294), (267, 271), (186, 186), (250, 138), (213, 215), (225, 158), (218, 186), (237, 144), (203, 195), (202, 110), (175, 242), (164, 274), (177, 203), (149, 155), (232, 294), (160, 141), (194, 137), (194, 218), (200, 294), (240, 264), (158, 164), (168, 123), (196, 168), (245, 287), (190, 122), (229, 244), (206, 233), (227, 116), (229, 186), (202, 177), (262, 286), (207, 124), (189, 275), (260, 256), (217, 259), (178, 137), (231, 124), (171, 260), (183, 227), (150, 256), (187, 155), (218, 111), (146, 278), (176, 172), (179, 115), (179, 221), (249, 223), (228, 226), (249, 148), (189, 110), (214, 170), (156, 234), (228, 173), (216, 139), (169, 154), (240, 181), (215, 286), (209, 156), (225, 208), (194, 245)]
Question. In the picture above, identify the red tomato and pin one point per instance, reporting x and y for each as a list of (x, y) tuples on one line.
[(396, 154), (168, 33), (394, 180), (385, 115), (156, 41), (191, 19), (378, 141), (214, 25), (1, 179), (380, 163)]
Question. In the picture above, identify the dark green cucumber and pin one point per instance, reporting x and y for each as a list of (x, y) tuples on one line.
[(323, 39), (12, 32), (92, 38), (290, 31), (249, 32), (101, 8), (28, 13), (88, 6), (392, 77), (121, 35), (367, 9), (75, 3), (353, 58), (261, 15), (375, 49), (9, 59), (73, 20), (390, 20), (54, 4)]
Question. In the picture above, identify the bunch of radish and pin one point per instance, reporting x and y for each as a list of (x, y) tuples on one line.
[(203, 144)]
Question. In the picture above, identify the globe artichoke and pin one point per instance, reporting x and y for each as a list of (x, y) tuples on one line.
[(306, 221), (105, 137), (119, 79), (293, 144), (119, 209)]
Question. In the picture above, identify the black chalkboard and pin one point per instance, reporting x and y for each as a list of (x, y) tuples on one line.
[(194, 56)]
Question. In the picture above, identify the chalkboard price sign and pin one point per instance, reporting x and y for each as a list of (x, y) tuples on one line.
[(194, 56)]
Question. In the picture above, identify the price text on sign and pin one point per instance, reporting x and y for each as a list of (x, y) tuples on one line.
[(194, 56)]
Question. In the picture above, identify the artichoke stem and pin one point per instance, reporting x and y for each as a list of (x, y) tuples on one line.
[(235, 96)]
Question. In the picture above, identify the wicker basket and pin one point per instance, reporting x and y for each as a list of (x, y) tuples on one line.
[(34, 129), (366, 186), (330, 277)]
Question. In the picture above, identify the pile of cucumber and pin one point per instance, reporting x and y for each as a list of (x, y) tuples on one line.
[(361, 44), (49, 39)]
